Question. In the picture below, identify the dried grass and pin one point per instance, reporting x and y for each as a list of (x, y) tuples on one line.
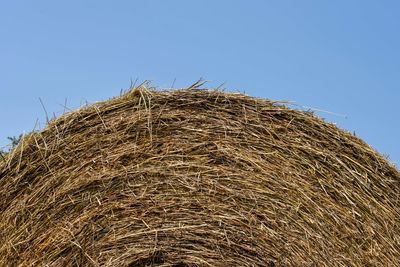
[(196, 178)]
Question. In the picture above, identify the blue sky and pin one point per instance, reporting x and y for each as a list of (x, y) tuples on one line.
[(338, 56)]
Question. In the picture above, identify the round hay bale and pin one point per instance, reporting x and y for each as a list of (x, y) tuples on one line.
[(196, 178)]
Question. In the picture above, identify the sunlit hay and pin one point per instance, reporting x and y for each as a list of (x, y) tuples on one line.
[(196, 178)]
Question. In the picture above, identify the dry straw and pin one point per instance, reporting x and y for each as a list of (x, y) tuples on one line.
[(196, 178)]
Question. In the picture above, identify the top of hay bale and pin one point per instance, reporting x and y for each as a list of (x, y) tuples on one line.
[(196, 178)]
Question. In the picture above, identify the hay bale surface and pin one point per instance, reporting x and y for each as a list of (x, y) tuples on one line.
[(196, 178)]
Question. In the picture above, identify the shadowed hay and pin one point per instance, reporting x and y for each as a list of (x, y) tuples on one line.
[(196, 178)]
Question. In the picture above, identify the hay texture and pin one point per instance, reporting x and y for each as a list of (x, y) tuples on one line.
[(196, 178)]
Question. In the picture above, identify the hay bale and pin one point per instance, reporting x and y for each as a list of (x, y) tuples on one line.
[(196, 178)]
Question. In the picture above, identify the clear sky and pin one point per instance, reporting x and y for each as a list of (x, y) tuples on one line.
[(338, 56)]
